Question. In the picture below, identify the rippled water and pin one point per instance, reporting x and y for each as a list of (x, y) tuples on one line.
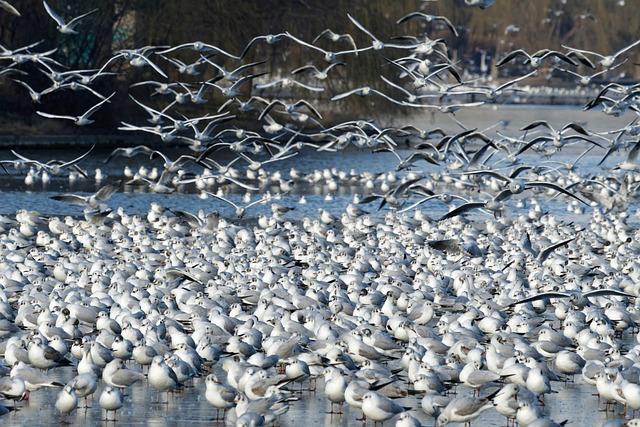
[(573, 401)]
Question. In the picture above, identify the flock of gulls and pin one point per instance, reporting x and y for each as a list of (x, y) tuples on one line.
[(383, 311)]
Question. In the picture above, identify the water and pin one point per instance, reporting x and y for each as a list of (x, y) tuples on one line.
[(573, 401)]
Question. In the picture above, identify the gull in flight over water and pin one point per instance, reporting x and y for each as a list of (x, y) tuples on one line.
[(82, 120)]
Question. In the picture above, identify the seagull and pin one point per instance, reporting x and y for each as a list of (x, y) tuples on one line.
[(379, 407), (464, 409), (199, 47), (429, 18), (328, 55), (36, 97), (82, 120), (376, 44), (335, 37), (240, 210), (578, 299), (111, 399), (482, 4), (287, 82), (54, 167), (536, 58), (290, 108), (605, 61), (64, 27), (93, 201), (317, 73), (270, 39)]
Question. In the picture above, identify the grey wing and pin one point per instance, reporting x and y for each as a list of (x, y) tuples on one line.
[(469, 406), (633, 153), (389, 406), (51, 354), (70, 198), (105, 192), (5, 385), (179, 273), (482, 377), (126, 377), (96, 107), (544, 254), (557, 188), (540, 296), (604, 292), (228, 394), (462, 209), (445, 245), (489, 172)]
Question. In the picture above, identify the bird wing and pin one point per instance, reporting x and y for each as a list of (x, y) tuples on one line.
[(577, 128), (532, 143), (510, 56), (154, 66), (174, 272), (346, 94), (71, 198), (603, 292), (106, 192), (126, 377), (192, 219), (445, 245), (490, 173), (537, 123), (588, 52), (448, 23), (269, 107), (310, 107), (53, 14), (51, 354), (541, 296), (55, 116), (77, 18), (304, 68), (96, 107), (311, 88), (544, 254), (248, 46), (9, 8), (411, 15), (517, 171), (633, 153), (582, 59), (418, 203), (470, 406), (78, 159), (503, 195), (555, 187), (514, 81), (361, 27), (370, 199), (624, 49)]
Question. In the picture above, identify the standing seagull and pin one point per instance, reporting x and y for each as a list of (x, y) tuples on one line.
[(64, 27)]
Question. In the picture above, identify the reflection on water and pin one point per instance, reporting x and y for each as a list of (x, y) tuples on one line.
[(573, 400)]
